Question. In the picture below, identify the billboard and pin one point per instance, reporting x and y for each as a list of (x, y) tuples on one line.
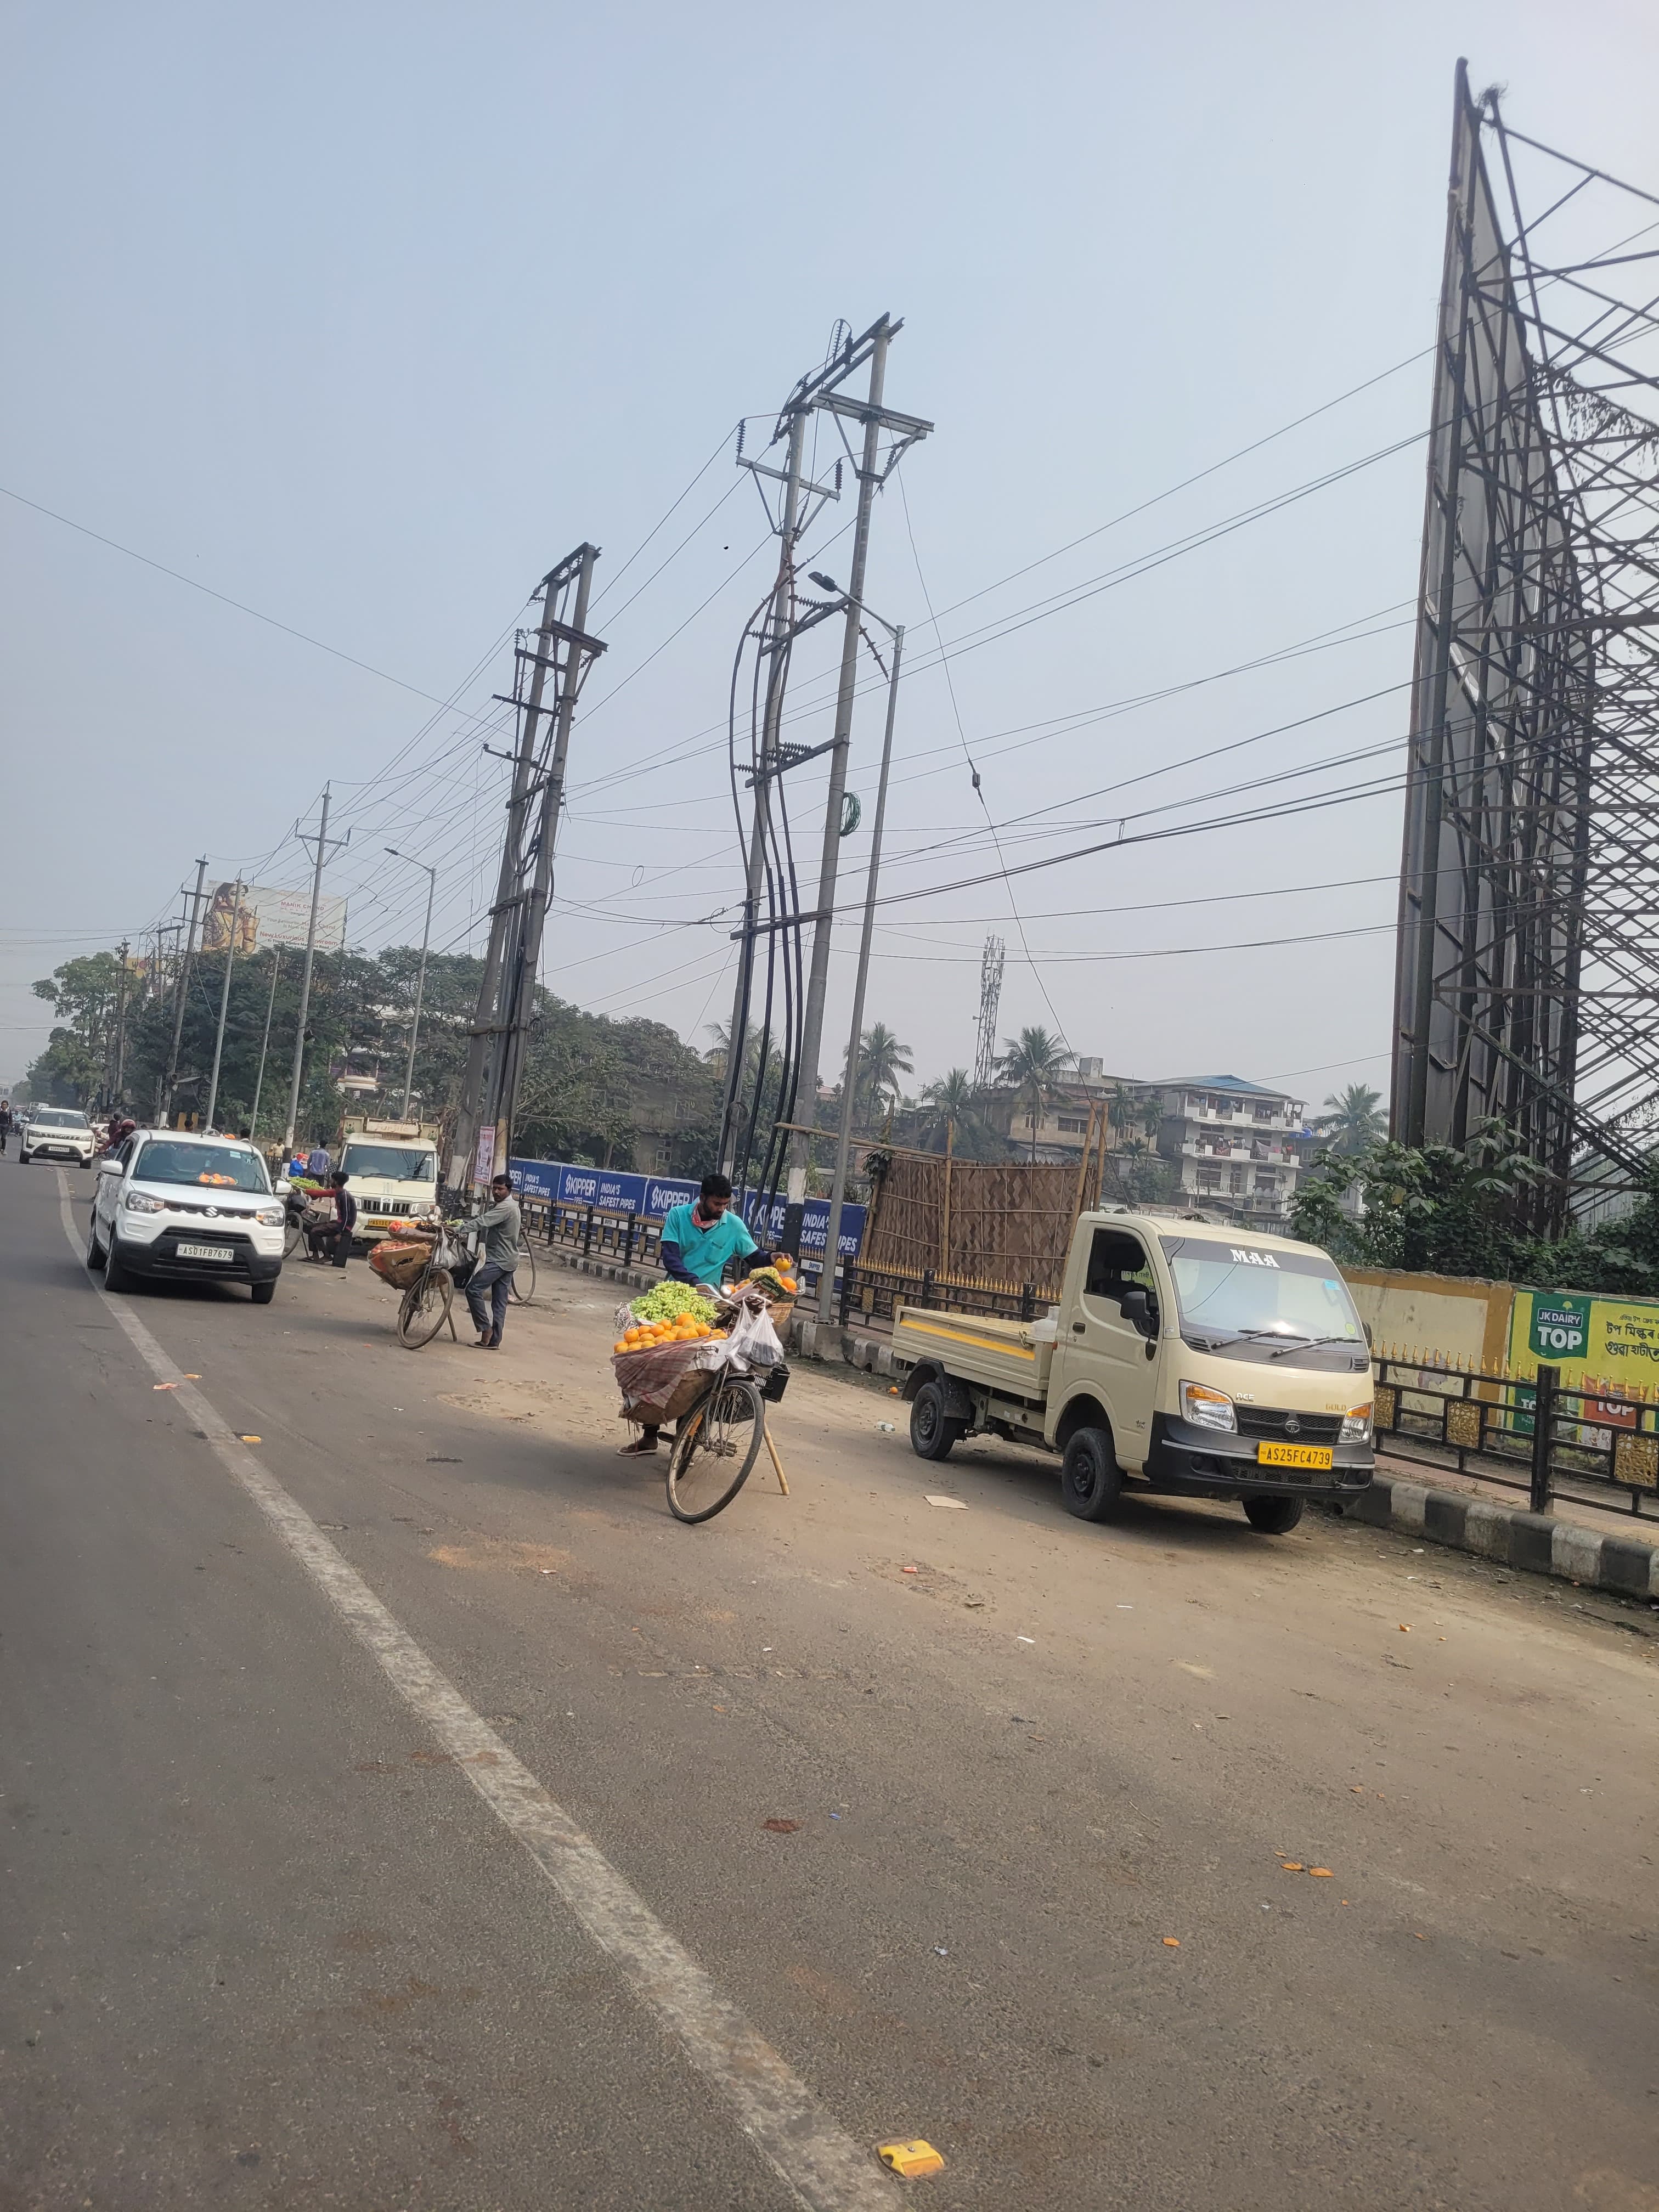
[(608, 1190), (262, 916)]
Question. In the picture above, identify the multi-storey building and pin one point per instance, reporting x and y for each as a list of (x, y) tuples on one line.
[(1239, 1145)]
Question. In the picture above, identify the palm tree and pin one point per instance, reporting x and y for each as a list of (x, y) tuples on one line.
[(1355, 1122), (1122, 1109), (1033, 1063), (950, 1100), (881, 1061)]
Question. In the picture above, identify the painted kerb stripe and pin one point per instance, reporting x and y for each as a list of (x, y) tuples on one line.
[(816, 2159)]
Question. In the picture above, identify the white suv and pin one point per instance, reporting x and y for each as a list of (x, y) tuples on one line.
[(55, 1133), (186, 1207)]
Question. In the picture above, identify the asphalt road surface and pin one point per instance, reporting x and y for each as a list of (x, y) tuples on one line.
[(404, 1812)]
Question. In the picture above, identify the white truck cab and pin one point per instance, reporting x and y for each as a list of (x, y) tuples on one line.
[(394, 1171), (1188, 1357)]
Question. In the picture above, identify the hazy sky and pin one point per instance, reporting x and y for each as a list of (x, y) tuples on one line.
[(364, 316)]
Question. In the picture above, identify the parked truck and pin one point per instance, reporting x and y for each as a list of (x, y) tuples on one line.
[(393, 1167), (1184, 1357)]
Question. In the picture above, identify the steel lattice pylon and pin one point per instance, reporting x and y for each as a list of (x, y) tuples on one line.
[(1528, 978), (985, 1024)]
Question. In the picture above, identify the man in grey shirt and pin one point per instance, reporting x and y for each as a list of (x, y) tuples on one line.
[(498, 1223)]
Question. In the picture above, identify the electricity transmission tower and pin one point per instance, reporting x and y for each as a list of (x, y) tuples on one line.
[(559, 647), (1528, 974), (984, 1025), (886, 436)]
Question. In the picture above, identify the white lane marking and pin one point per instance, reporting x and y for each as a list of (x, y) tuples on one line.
[(817, 2161)]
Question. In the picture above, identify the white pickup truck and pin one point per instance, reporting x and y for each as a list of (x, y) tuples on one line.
[(393, 1170), (1184, 1357)]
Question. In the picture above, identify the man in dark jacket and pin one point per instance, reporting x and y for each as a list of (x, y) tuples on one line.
[(331, 1240)]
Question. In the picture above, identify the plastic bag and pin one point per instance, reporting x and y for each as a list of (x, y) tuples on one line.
[(753, 1341)]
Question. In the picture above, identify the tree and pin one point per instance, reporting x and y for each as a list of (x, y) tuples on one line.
[(952, 1102), (84, 993), (881, 1061), (1033, 1063), (1430, 1208), (1355, 1122)]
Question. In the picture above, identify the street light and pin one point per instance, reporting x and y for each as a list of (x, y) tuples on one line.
[(420, 987), (849, 1087)]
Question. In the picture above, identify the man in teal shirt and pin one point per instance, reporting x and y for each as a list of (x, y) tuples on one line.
[(700, 1243)]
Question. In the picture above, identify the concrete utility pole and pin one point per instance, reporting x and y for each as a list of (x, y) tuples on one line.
[(849, 1089), (506, 990), (120, 1028), (419, 985), (164, 1104), (224, 1006), (323, 843), (264, 1043)]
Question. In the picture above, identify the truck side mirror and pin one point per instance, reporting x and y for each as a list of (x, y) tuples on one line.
[(1138, 1308)]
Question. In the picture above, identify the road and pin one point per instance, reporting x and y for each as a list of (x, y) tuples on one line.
[(387, 1806)]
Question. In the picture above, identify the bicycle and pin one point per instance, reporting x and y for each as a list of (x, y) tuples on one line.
[(711, 1459), (429, 1301), (521, 1286)]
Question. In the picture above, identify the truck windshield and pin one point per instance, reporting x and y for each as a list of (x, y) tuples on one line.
[(390, 1163), (214, 1167), (1228, 1290)]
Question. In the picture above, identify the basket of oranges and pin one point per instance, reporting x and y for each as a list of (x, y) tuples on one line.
[(779, 1284), (661, 1359)]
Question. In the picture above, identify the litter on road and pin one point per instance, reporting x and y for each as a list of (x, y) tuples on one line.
[(911, 2158), (959, 1503)]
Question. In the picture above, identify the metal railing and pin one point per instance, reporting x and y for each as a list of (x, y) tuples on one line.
[(1597, 1444), (870, 1294)]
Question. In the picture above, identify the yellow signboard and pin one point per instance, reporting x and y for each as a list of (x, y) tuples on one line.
[(1610, 1341)]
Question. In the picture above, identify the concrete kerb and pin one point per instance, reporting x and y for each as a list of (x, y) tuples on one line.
[(1625, 1566), (1508, 1535)]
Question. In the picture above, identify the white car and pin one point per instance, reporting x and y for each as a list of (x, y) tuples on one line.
[(55, 1133), (187, 1208)]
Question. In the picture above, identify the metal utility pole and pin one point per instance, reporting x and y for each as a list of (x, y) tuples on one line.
[(323, 843), (766, 767), (580, 651), (165, 1104), (224, 1005), (856, 1036), (420, 985), (264, 1041), (119, 1073), (905, 431), (505, 991)]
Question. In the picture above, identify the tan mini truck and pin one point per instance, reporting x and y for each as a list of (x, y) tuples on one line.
[(1184, 1357)]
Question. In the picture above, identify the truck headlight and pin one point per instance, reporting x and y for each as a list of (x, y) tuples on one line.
[(138, 1201), (271, 1216), (1357, 1427), (1207, 1408)]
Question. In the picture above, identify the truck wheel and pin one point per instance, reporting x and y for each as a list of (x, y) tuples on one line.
[(934, 1434), (1091, 1480), (1274, 1516)]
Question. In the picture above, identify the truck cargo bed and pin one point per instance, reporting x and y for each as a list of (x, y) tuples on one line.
[(1003, 1354)]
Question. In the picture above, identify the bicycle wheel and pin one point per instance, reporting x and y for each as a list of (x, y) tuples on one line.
[(293, 1235), (719, 1442), (521, 1284), (425, 1307)]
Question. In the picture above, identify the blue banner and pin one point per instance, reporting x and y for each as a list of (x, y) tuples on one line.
[(609, 1190)]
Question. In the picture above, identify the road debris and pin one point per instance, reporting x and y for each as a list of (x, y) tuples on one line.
[(164, 1386), (780, 1827), (886, 1428), (911, 2158), (254, 1440), (1172, 1943), (958, 1504)]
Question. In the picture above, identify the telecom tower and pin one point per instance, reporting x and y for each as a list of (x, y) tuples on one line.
[(1528, 976), (990, 998)]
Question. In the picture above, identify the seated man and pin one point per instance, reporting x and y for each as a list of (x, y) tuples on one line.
[(332, 1239)]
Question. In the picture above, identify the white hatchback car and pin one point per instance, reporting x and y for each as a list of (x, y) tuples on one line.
[(55, 1133), (187, 1208)]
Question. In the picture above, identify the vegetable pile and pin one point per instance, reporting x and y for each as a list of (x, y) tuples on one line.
[(668, 1301)]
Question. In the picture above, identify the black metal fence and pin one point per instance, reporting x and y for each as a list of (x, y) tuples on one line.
[(870, 1294), (630, 1239), (1597, 1445)]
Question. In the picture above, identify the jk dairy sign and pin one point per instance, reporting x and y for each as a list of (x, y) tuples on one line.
[(1613, 1341)]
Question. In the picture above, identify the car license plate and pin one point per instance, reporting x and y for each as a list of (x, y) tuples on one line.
[(1293, 1455), (224, 1252)]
